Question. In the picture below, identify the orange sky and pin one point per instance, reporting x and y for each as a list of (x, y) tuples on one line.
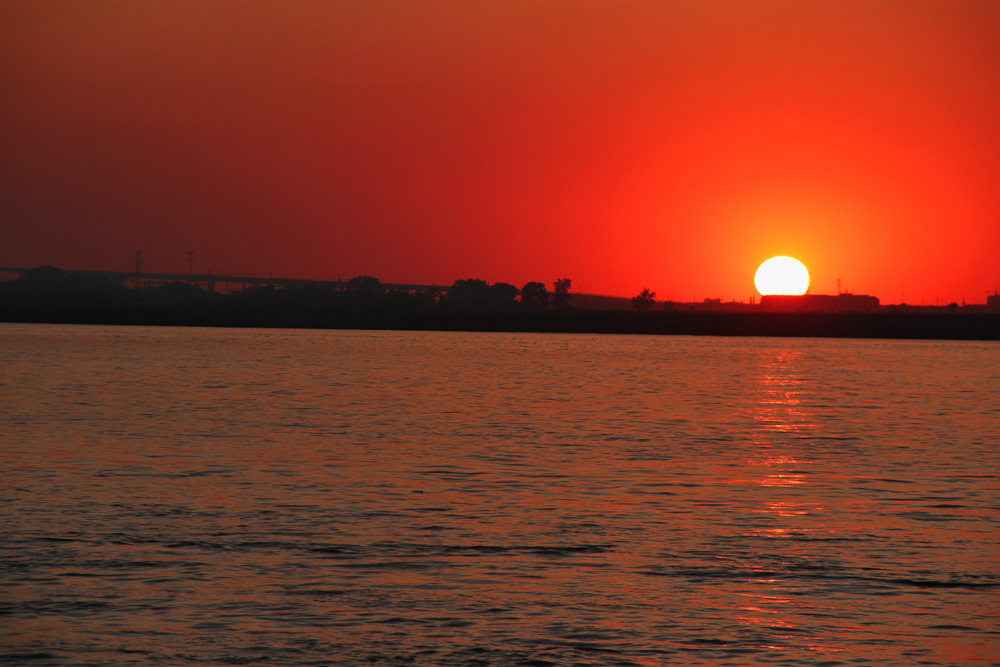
[(670, 145)]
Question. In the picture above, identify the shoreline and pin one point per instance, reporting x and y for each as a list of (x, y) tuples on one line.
[(883, 325)]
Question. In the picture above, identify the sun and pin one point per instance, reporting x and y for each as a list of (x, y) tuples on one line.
[(782, 275)]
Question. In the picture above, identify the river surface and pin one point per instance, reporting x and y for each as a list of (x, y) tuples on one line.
[(184, 496)]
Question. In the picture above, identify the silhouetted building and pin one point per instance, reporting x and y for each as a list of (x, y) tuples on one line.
[(993, 302), (820, 303)]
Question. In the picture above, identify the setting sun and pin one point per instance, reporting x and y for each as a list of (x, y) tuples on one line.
[(782, 275)]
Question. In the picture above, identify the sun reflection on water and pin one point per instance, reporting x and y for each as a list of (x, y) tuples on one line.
[(781, 420), (781, 424)]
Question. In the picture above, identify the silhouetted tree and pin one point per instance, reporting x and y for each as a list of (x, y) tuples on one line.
[(644, 299), (364, 292), (369, 285), (469, 293), (560, 292), (502, 296), (534, 295)]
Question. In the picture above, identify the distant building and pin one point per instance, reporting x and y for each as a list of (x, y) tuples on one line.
[(993, 302), (820, 303)]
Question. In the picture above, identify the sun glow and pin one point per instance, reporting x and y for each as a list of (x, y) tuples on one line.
[(782, 275)]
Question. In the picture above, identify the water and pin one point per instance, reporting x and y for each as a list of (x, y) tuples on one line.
[(200, 496)]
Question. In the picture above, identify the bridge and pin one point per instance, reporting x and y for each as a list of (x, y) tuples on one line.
[(210, 280)]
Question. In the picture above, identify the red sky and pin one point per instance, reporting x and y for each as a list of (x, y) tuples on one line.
[(665, 144)]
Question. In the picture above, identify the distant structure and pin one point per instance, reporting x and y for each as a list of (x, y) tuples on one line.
[(993, 301), (845, 302), (210, 281)]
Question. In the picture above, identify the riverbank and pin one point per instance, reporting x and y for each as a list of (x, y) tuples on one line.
[(977, 326)]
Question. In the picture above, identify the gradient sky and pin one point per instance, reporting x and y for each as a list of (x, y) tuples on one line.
[(665, 144)]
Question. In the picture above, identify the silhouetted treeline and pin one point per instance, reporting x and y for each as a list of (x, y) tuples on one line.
[(48, 294)]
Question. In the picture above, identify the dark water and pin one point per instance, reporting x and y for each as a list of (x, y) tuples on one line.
[(198, 496)]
